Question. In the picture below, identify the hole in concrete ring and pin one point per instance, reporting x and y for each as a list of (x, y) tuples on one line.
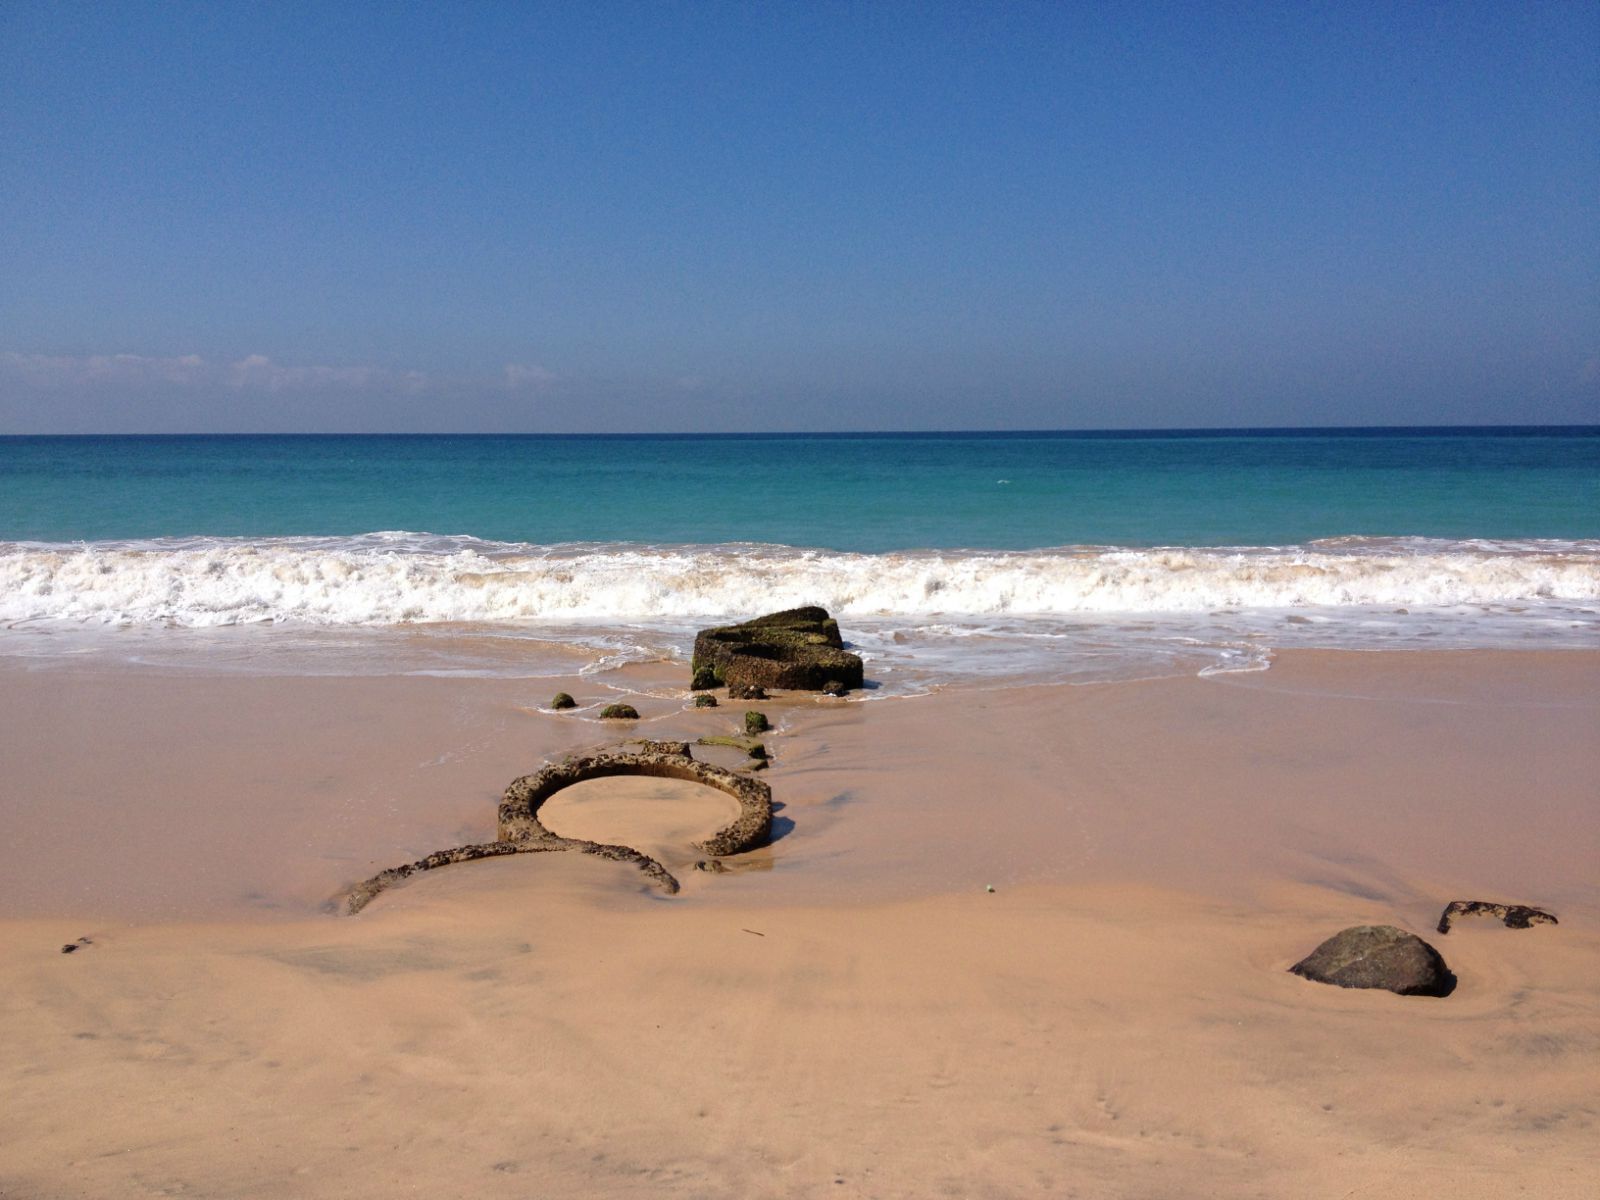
[(664, 818)]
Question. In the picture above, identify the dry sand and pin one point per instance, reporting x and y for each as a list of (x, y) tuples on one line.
[(856, 1016)]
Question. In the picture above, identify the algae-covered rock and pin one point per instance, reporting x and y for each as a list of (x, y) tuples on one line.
[(746, 691), (705, 701), (561, 700), (704, 680), (1378, 956), (756, 722), (1512, 916), (833, 688), (798, 649), (678, 749), (619, 712)]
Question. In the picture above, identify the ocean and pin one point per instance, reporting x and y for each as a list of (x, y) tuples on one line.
[(947, 557)]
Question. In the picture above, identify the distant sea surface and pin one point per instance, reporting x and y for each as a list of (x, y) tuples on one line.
[(1027, 555)]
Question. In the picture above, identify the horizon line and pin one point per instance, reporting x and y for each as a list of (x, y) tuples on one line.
[(1130, 432)]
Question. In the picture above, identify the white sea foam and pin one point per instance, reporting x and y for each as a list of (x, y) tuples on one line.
[(395, 579)]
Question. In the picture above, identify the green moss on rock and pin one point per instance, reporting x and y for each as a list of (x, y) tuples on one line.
[(561, 700), (619, 712), (798, 649)]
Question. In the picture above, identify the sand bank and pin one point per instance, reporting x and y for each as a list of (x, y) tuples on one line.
[(853, 1014)]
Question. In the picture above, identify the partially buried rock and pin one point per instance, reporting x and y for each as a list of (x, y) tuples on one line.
[(705, 701), (756, 722), (1378, 956), (798, 649), (619, 712), (1512, 916), (561, 700), (746, 691)]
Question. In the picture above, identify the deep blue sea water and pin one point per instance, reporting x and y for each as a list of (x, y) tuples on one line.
[(867, 493), (1020, 556)]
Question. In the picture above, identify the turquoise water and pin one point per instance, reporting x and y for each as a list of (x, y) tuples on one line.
[(863, 493)]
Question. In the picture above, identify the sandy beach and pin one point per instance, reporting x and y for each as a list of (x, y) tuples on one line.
[(848, 1012)]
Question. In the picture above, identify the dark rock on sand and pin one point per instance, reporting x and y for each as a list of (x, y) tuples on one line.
[(756, 722), (1513, 916), (833, 688), (561, 700), (712, 865), (746, 691), (798, 649), (619, 712), (1378, 956), (705, 701)]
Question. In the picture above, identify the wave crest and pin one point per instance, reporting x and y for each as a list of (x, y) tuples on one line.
[(393, 578)]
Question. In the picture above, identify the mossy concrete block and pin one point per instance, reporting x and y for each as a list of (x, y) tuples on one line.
[(798, 649)]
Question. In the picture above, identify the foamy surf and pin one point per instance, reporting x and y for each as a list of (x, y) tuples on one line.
[(425, 604), (397, 579)]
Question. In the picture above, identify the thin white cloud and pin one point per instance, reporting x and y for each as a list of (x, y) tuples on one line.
[(254, 373), (527, 375)]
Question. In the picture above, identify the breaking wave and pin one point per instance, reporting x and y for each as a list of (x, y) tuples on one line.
[(401, 578)]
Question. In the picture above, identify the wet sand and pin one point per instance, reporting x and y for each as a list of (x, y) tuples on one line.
[(852, 1014)]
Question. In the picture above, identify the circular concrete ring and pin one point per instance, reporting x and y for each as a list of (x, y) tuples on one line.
[(519, 808)]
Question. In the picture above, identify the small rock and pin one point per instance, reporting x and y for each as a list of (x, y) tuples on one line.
[(757, 751), (73, 947), (747, 691), (1378, 956), (705, 701), (704, 680), (1513, 916), (990, 888), (833, 688), (714, 866), (561, 700), (619, 712), (756, 722)]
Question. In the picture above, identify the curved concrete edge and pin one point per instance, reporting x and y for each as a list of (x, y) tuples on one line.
[(519, 808), (522, 833), (368, 890)]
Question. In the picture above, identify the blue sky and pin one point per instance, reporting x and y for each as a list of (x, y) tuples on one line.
[(220, 217)]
